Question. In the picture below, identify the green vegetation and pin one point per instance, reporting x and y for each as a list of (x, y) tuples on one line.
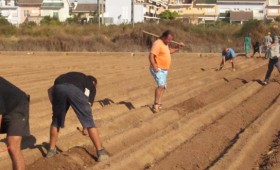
[(71, 36), (277, 19), (168, 15), (3, 21), (50, 21)]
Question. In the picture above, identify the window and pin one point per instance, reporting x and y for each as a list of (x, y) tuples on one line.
[(55, 14), (8, 2), (273, 11), (210, 10), (273, 2), (26, 13)]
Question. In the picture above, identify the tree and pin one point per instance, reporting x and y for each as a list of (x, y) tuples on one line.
[(167, 14), (4, 21)]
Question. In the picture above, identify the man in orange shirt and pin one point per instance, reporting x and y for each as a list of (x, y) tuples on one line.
[(160, 60)]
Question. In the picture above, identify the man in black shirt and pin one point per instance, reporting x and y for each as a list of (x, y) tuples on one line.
[(14, 119), (78, 91)]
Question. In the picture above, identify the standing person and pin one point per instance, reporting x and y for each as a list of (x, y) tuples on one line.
[(274, 59), (247, 45), (14, 120), (160, 60), (256, 47), (227, 54), (78, 91), (267, 43)]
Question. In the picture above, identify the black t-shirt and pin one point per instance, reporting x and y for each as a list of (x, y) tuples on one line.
[(79, 80), (10, 96)]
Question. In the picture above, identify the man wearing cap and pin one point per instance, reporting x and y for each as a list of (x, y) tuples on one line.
[(77, 90), (267, 43), (14, 120), (227, 54)]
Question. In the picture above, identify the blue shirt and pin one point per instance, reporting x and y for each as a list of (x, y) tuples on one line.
[(230, 54)]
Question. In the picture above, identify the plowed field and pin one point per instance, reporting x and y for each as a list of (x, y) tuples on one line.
[(210, 120)]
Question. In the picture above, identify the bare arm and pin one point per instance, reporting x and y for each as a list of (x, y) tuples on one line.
[(174, 50), (153, 62)]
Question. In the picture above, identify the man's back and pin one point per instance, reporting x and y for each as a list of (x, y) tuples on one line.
[(81, 81), (10, 96), (230, 53), (75, 78), (267, 40)]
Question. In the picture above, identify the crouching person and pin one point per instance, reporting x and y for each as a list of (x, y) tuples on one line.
[(227, 54), (14, 120), (78, 91)]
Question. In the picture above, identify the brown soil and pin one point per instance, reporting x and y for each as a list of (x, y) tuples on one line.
[(207, 115)]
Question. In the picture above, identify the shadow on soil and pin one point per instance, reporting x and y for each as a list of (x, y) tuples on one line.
[(108, 102), (29, 142)]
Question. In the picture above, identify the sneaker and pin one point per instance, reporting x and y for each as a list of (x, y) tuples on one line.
[(51, 153), (102, 155), (265, 82)]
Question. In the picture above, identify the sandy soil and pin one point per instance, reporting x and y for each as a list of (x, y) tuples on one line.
[(210, 120)]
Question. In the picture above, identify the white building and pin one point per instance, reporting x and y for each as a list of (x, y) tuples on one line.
[(121, 12), (56, 8), (272, 9), (255, 6), (9, 11)]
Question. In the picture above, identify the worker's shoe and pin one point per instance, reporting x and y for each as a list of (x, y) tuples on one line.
[(265, 82), (102, 155), (51, 153)]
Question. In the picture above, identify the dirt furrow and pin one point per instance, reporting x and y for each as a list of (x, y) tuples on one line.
[(206, 148)]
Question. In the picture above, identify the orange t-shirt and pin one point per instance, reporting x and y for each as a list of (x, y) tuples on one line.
[(162, 53)]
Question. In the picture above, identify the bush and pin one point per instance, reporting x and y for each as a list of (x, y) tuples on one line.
[(255, 27), (4, 21), (74, 20), (277, 19), (209, 37), (47, 20), (8, 30), (28, 25)]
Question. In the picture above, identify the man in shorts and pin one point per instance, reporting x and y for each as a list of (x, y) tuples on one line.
[(160, 60), (227, 55), (14, 120), (78, 91)]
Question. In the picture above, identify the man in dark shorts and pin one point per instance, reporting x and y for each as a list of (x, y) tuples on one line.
[(78, 91), (14, 120), (227, 54)]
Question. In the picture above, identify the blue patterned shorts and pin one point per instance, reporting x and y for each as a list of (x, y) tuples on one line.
[(160, 77)]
